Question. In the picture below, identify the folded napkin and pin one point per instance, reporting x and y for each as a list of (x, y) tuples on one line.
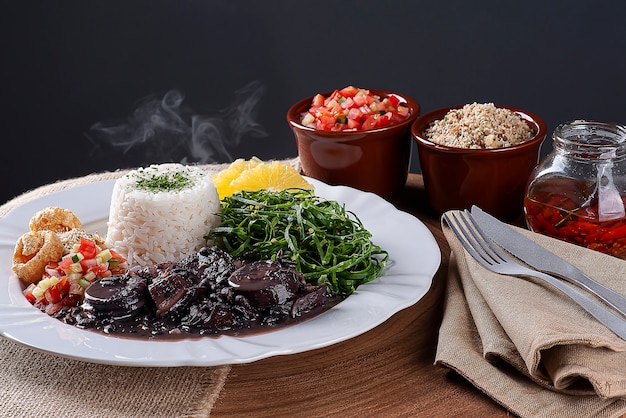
[(529, 347)]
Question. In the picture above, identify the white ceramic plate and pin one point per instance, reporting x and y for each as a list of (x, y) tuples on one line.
[(414, 254)]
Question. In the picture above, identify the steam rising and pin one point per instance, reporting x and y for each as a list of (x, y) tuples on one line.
[(165, 130)]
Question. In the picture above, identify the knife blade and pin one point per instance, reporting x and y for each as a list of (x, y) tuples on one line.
[(542, 259)]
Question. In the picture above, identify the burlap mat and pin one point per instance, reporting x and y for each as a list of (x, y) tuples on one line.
[(35, 384), (528, 347)]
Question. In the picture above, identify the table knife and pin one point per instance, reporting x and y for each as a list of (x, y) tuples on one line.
[(542, 259)]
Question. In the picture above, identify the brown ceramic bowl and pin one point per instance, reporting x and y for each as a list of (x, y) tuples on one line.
[(375, 160), (492, 179)]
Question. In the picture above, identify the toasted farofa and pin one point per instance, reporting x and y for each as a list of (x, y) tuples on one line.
[(479, 125)]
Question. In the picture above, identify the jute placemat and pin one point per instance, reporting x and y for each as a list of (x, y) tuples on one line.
[(528, 347), (35, 384)]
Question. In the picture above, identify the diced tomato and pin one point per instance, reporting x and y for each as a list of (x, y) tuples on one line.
[(333, 97), (87, 248), (318, 100), (66, 263), (115, 256), (353, 124), (360, 100), (397, 117), (100, 269), (349, 91), (393, 100), (52, 294), (30, 297), (352, 108), (370, 122)]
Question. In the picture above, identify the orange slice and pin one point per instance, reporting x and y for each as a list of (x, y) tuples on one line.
[(255, 174)]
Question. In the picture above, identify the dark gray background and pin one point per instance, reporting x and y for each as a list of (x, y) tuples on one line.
[(71, 65)]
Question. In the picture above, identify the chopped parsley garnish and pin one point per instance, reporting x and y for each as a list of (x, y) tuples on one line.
[(167, 182)]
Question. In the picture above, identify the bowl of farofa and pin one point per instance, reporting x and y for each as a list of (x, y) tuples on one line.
[(478, 154), (369, 157)]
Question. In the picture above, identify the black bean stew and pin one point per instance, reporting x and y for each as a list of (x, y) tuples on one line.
[(208, 293)]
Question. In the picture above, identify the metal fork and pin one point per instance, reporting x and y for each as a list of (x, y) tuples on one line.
[(493, 258)]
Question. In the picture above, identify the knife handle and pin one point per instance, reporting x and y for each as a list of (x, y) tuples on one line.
[(608, 295), (602, 314)]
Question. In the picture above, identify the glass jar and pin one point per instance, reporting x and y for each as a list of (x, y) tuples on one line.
[(578, 192)]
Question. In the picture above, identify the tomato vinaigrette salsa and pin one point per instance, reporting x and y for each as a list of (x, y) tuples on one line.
[(354, 109), (564, 209), (64, 282)]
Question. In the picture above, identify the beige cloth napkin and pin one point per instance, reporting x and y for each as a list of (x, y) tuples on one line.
[(35, 384), (528, 347)]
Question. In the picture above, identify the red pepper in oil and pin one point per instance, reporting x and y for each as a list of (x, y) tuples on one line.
[(558, 212)]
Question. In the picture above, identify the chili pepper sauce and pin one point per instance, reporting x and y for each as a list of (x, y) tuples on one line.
[(567, 209)]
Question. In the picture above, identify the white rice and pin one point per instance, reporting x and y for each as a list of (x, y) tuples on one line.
[(150, 226)]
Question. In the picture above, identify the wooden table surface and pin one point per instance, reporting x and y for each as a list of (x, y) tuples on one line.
[(387, 371)]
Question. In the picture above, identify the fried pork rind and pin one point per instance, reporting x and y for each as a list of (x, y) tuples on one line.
[(33, 251), (54, 219), (53, 233)]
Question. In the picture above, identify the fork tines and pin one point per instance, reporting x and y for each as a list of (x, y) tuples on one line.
[(473, 238)]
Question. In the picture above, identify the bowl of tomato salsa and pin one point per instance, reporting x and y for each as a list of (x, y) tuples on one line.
[(355, 137)]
